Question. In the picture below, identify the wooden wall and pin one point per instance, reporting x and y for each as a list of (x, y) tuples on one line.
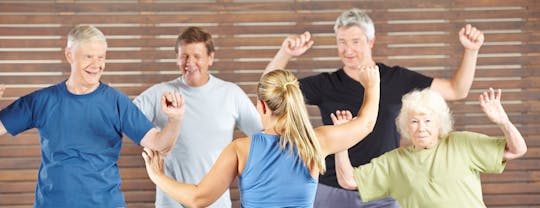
[(419, 34)]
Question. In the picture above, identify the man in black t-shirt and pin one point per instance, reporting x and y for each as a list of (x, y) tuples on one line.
[(340, 90)]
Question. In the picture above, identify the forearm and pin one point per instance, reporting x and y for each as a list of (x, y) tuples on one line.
[(462, 79), (367, 114), (167, 137), (280, 61), (344, 171), (186, 194), (515, 143)]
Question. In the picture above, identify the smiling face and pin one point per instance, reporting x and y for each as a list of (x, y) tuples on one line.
[(353, 47), (193, 60), (87, 60), (423, 129)]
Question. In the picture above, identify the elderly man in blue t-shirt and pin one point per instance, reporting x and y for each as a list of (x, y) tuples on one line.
[(81, 122)]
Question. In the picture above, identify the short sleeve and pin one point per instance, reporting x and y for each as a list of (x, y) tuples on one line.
[(133, 122), (18, 116), (372, 179), (485, 152), (248, 119), (147, 102), (311, 89)]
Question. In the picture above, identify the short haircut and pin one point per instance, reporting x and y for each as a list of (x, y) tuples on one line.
[(425, 100), (195, 35), (84, 33), (356, 17)]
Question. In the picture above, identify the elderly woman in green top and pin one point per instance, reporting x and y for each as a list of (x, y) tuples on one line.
[(442, 167)]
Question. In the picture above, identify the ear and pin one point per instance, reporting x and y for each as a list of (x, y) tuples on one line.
[(371, 42), (69, 56), (263, 106), (211, 59)]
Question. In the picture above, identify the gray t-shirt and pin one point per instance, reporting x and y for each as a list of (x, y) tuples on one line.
[(211, 113)]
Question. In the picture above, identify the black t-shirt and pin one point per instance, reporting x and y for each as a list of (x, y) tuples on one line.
[(337, 91)]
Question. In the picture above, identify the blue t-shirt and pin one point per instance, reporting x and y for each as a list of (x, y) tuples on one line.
[(275, 177), (81, 137)]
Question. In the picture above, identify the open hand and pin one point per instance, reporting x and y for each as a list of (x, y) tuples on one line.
[(153, 162), (341, 117), (490, 102)]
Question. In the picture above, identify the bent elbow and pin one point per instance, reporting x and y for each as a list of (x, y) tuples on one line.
[(199, 202), (347, 185)]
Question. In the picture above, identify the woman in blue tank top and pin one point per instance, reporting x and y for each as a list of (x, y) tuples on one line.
[(280, 166)]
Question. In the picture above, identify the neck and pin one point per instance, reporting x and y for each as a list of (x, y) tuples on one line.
[(80, 89)]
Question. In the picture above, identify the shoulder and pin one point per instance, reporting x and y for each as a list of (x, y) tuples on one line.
[(241, 145)]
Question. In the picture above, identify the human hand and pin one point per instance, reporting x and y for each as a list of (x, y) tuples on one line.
[(154, 163), (296, 45), (490, 102), (471, 38), (172, 104), (369, 76), (341, 117)]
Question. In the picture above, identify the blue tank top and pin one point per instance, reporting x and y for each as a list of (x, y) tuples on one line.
[(275, 177)]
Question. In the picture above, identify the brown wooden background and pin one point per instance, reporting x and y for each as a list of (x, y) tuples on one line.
[(418, 34)]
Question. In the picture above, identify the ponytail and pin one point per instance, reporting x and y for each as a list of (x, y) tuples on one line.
[(279, 89)]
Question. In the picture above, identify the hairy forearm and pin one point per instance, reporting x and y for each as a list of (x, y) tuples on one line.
[(344, 171), (167, 137), (515, 143)]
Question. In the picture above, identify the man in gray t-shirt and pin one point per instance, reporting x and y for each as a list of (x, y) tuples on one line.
[(213, 108)]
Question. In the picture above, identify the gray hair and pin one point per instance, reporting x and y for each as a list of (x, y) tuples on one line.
[(356, 17), (425, 100), (84, 33)]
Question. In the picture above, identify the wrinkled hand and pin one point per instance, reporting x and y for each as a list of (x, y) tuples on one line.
[(490, 102), (341, 117), (172, 104), (2, 89), (471, 38), (369, 76), (154, 163), (296, 45)]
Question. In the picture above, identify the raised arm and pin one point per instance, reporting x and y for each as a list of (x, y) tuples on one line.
[(211, 187), (172, 104), (337, 138), (344, 169), (292, 46), (492, 107), (458, 86)]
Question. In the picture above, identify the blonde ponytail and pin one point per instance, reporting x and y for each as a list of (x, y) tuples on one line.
[(279, 89)]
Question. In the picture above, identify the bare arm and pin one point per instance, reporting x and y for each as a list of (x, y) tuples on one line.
[(2, 129), (337, 138), (172, 104), (292, 46), (344, 169), (211, 187), (459, 85), (491, 105)]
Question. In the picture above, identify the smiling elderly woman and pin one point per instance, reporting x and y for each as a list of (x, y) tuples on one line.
[(442, 167)]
